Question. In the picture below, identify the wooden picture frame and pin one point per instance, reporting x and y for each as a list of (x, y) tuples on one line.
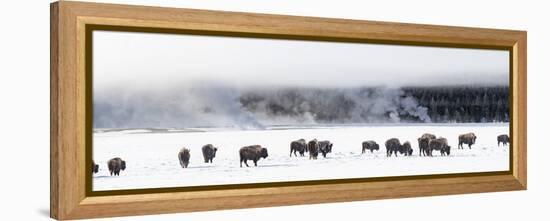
[(70, 196)]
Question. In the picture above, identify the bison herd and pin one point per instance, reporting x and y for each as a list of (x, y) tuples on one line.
[(427, 143)]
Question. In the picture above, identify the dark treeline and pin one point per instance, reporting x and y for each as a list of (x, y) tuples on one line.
[(374, 105), (463, 104)]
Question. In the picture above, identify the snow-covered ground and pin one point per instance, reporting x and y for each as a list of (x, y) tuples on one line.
[(152, 162)]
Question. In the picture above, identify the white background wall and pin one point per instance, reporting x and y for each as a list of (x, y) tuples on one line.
[(24, 101)]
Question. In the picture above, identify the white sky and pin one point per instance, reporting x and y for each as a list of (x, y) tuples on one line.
[(144, 60)]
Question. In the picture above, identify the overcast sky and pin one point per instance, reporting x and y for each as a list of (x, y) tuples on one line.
[(143, 60)]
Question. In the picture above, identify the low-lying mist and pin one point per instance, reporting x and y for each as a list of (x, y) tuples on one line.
[(205, 105)]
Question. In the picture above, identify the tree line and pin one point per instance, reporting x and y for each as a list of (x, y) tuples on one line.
[(463, 104), (468, 104)]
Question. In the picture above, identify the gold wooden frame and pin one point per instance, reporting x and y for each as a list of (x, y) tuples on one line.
[(70, 195)]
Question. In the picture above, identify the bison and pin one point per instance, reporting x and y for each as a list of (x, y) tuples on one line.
[(95, 167), (406, 149), (325, 147), (423, 143), (254, 153), (115, 165), (504, 139), (313, 148), (469, 138), (439, 144), (392, 146), (184, 155), (299, 146), (209, 152), (370, 145)]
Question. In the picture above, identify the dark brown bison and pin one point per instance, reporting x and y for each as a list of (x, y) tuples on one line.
[(469, 138), (95, 167), (423, 143), (313, 148), (370, 145), (439, 144), (504, 139), (184, 155), (393, 145), (299, 146), (209, 152), (325, 147), (254, 153), (406, 149), (115, 165)]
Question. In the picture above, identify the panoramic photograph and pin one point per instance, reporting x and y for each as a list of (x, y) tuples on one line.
[(176, 110)]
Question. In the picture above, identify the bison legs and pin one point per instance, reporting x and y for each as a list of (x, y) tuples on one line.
[(422, 152), (255, 163)]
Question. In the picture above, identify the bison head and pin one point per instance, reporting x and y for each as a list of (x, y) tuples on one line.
[(95, 169), (330, 147), (123, 165), (447, 149), (263, 153)]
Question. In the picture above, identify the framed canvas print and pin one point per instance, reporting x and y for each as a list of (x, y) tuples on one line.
[(160, 110)]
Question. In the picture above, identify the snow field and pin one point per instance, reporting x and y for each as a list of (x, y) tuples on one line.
[(152, 162)]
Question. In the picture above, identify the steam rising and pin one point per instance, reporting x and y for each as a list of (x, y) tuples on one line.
[(209, 105)]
